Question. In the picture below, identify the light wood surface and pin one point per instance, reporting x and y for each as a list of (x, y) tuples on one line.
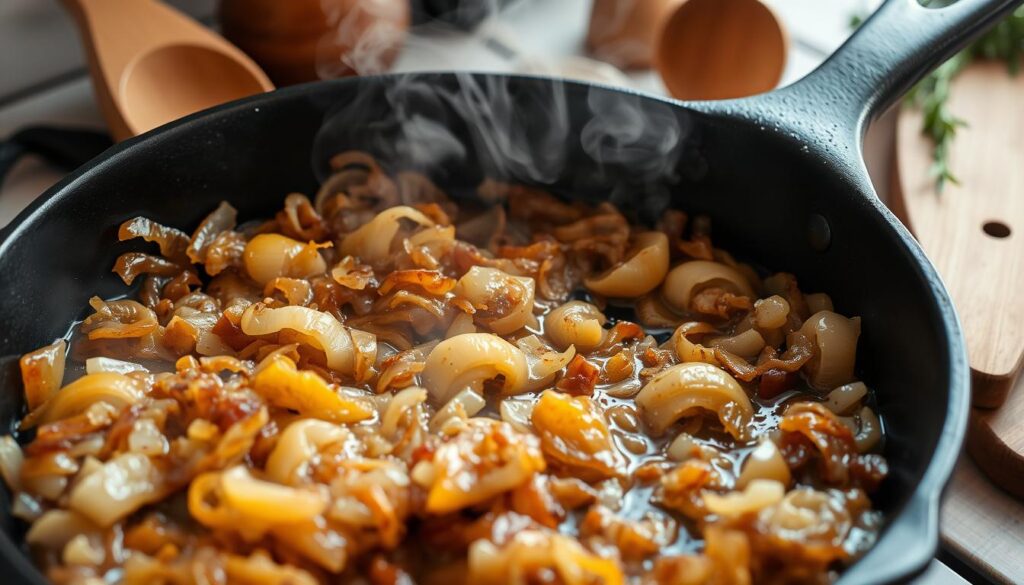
[(719, 49), (983, 525), (995, 440), (151, 64), (974, 232)]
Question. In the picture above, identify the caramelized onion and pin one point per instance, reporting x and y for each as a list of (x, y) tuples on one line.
[(281, 384), (131, 264), (329, 335), (270, 256), (221, 219), (117, 390), (42, 372), (687, 388), (119, 320), (118, 488), (641, 272), (172, 242)]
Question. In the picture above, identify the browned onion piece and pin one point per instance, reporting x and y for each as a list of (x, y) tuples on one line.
[(358, 176), (172, 242), (799, 350), (417, 189), (295, 291), (431, 282), (42, 372), (604, 236), (224, 252), (131, 264), (118, 319), (221, 219), (484, 229), (299, 220)]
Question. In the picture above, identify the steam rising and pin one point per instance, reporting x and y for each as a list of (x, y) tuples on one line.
[(459, 128), (363, 38)]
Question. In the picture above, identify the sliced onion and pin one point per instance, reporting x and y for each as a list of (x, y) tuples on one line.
[(542, 362), (372, 242), (11, 459), (42, 372), (331, 336), (517, 413), (122, 485), (220, 219), (116, 390), (172, 242), (465, 404), (56, 527), (97, 365)]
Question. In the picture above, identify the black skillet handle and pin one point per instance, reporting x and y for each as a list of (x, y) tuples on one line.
[(67, 148), (897, 46)]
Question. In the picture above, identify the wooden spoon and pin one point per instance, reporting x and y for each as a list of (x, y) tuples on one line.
[(720, 49), (150, 64)]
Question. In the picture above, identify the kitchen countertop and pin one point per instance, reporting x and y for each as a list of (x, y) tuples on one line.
[(64, 98)]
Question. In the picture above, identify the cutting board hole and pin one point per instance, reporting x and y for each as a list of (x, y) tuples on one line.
[(996, 229)]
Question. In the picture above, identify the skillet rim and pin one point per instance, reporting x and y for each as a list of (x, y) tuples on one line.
[(917, 517)]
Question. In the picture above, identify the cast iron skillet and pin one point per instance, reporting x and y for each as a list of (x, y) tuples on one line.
[(780, 174)]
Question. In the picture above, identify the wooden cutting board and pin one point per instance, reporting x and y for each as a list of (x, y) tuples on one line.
[(974, 234)]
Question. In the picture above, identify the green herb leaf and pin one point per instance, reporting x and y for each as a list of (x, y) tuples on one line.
[(1005, 42)]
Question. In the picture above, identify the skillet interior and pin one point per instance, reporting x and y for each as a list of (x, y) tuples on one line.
[(762, 189)]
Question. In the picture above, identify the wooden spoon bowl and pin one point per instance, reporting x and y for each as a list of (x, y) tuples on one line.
[(151, 65), (720, 49)]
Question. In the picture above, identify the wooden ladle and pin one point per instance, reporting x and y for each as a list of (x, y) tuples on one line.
[(720, 49), (151, 64)]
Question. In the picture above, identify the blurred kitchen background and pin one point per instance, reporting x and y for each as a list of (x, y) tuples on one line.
[(43, 76)]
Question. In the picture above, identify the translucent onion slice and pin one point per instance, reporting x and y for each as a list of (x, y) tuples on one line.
[(642, 271), (835, 338), (56, 527), (543, 363), (689, 351), (504, 302), (117, 390), (758, 495), (42, 372), (281, 384), (11, 459), (575, 323), (396, 409), (333, 338), (220, 219), (465, 404), (172, 241), (764, 462), (270, 256), (688, 278), (97, 365), (122, 485), (469, 360), (746, 345), (372, 241), (267, 502), (686, 389), (298, 444), (844, 398)]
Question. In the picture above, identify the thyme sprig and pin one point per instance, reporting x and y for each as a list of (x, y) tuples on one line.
[(1005, 42)]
